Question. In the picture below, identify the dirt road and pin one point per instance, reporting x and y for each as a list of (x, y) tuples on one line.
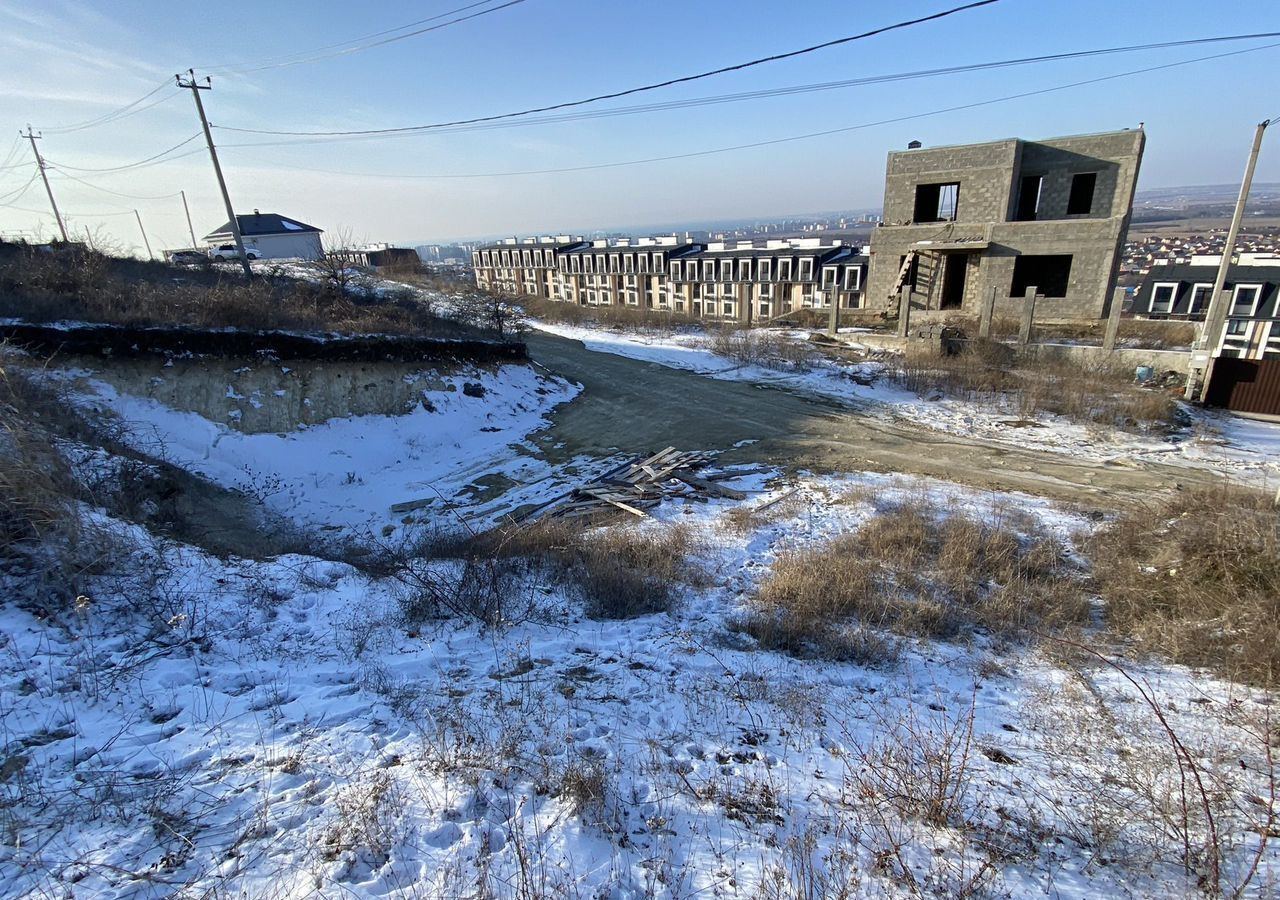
[(631, 406)]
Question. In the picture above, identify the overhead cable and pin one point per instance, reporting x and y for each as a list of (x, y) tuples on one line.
[(647, 87), (663, 106), (127, 110), (133, 165), (378, 43), (797, 137)]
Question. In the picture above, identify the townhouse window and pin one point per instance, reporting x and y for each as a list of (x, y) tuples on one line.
[(657, 262), (766, 269), (828, 277), (675, 271), (853, 278), (766, 291), (1271, 346), (937, 202), (765, 309), (1200, 295), (806, 270), (1244, 301), (726, 270), (784, 270), (528, 259), (744, 270), (1162, 295), (1080, 200), (628, 263), (708, 271), (1236, 337), (643, 261)]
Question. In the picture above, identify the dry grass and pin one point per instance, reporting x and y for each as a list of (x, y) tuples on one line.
[(752, 347), (35, 482), (85, 285), (627, 318), (1197, 579), (1152, 334), (986, 372), (618, 572), (913, 570)]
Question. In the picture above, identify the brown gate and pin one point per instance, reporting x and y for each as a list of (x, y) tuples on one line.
[(1245, 385)]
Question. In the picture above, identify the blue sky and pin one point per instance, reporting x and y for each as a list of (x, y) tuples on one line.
[(63, 62)]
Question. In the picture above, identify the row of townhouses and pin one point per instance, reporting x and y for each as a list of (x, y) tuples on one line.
[(1181, 288), (961, 224), (741, 281)]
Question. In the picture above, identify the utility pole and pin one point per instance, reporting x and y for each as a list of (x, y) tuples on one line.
[(187, 210), (33, 137), (1215, 317), (195, 88), (145, 242)]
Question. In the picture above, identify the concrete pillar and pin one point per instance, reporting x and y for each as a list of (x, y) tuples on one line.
[(1028, 315), (1113, 320), (833, 315), (904, 311), (985, 314)]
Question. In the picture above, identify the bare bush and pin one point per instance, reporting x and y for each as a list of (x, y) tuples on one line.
[(624, 318), (914, 570), (618, 572), (985, 371), (86, 285), (1196, 578), (753, 347)]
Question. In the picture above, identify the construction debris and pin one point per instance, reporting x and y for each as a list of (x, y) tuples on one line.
[(637, 486)]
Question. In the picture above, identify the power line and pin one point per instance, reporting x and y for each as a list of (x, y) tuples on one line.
[(358, 48), (648, 87), (799, 137), (127, 110), (776, 92), (16, 194), (133, 165), (108, 190)]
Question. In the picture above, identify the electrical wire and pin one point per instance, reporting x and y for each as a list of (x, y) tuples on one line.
[(127, 110), (109, 191), (769, 92), (389, 40), (16, 194), (737, 67), (133, 165), (797, 137)]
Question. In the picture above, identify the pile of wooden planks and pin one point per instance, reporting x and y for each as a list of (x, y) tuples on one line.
[(637, 486)]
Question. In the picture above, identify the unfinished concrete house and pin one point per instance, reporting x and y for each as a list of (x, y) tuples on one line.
[(965, 221)]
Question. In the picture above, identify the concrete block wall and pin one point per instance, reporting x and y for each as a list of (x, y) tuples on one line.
[(984, 172), (989, 176)]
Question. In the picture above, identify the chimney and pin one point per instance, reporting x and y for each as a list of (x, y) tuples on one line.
[(914, 145)]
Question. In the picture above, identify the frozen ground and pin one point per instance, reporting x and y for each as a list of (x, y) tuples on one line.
[(1245, 449), (199, 727), (348, 473)]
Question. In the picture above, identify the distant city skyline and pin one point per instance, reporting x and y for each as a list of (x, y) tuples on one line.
[(69, 62)]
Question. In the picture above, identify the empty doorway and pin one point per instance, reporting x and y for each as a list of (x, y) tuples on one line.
[(953, 278)]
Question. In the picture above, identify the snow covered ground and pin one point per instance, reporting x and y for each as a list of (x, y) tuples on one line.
[(1245, 449), (347, 473), (203, 727)]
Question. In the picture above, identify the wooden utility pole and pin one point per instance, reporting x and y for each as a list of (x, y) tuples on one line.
[(195, 88), (1215, 318), (33, 137), (187, 210), (146, 243)]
